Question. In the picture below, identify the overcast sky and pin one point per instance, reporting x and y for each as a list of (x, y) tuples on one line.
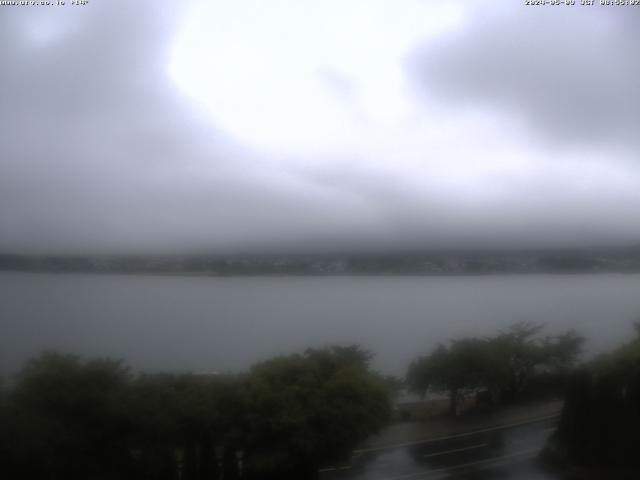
[(163, 126)]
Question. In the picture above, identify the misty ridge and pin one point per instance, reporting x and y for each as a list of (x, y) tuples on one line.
[(594, 260)]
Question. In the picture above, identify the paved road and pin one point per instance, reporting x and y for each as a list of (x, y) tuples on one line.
[(506, 452)]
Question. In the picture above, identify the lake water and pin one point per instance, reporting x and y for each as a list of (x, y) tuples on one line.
[(226, 324)]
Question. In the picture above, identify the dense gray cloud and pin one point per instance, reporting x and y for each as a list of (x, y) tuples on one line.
[(570, 73), (102, 151)]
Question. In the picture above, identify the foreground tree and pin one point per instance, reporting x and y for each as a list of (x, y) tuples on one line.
[(68, 419), (179, 420), (519, 353), (313, 408), (600, 420), (457, 370), (503, 364), (5, 437)]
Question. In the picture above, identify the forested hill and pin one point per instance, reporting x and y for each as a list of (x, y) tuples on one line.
[(625, 260)]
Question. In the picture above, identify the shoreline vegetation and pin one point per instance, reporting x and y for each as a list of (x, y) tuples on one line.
[(68, 417), (597, 433), (64, 416), (437, 263)]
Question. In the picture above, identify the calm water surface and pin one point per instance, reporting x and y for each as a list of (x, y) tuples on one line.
[(226, 324)]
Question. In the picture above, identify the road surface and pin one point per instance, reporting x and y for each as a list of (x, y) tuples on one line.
[(504, 452)]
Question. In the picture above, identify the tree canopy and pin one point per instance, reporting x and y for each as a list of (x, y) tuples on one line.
[(315, 406), (601, 416), (71, 418), (502, 364)]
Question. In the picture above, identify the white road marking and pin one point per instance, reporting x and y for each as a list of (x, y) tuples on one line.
[(480, 445), (494, 461), (459, 435), (333, 469)]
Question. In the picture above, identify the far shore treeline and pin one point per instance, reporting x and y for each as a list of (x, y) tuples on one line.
[(67, 417), (435, 262)]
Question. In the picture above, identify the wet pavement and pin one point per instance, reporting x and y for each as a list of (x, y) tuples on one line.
[(502, 452)]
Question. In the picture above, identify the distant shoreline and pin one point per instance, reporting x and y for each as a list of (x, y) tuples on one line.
[(623, 261), (317, 275)]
